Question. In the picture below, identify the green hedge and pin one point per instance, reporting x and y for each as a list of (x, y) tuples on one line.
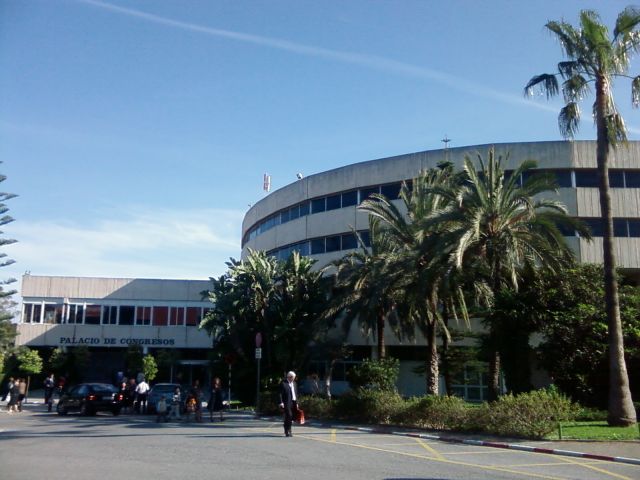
[(437, 413), (531, 415)]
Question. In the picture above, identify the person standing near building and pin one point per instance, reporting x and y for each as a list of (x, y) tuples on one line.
[(49, 388), (22, 395), (142, 392), (215, 399), (176, 402), (288, 401)]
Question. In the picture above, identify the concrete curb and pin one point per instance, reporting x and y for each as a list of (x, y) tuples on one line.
[(509, 446)]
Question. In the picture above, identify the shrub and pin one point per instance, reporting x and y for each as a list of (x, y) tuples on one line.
[(434, 412), (269, 403), (586, 414), (531, 415), (375, 374), (368, 406), (316, 407)]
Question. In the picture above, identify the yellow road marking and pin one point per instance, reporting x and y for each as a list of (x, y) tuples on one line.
[(429, 448), (443, 460), (591, 467), (333, 435)]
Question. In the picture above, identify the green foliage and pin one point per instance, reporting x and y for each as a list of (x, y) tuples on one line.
[(283, 301), (149, 368), (316, 407), (133, 359), (529, 415), (368, 406), (435, 412), (29, 361), (375, 374)]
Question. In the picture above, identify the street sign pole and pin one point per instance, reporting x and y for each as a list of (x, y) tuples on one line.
[(258, 359)]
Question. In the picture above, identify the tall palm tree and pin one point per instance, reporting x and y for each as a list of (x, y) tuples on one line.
[(364, 287), (593, 57), (420, 253), (499, 227)]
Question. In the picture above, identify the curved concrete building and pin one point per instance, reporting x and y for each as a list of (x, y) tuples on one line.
[(316, 214)]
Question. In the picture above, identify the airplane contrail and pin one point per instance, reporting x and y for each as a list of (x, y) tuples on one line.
[(369, 61)]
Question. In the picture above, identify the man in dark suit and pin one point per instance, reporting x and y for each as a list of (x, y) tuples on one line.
[(288, 401)]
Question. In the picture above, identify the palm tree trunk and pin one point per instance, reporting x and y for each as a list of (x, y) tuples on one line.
[(494, 361), (621, 409), (432, 359), (446, 370), (382, 351)]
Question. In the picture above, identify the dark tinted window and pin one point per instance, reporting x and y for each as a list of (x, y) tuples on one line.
[(126, 315), (391, 191), (364, 235), (349, 241), (317, 246), (632, 179), (587, 178), (303, 248), (100, 388), (349, 198), (294, 212), (634, 227), (595, 225), (563, 178), (284, 216), (566, 230), (620, 227), (317, 205), (365, 192), (333, 202), (616, 178), (333, 243), (304, 209)]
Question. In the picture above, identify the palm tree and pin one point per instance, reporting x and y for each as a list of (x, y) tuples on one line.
[(364, 287), (498, 227), (420, 253), (593, 57)]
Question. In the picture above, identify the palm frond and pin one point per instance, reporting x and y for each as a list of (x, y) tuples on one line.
[(626, 23), (569, 119), (546, 82), (635, 91)]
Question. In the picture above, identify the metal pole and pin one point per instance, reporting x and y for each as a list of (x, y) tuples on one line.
[(258, 388), (229, 397)]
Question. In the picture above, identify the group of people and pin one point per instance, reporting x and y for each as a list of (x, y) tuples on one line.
[(135, 393), (16, 393)]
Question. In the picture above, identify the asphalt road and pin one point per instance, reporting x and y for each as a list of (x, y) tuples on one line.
[(36, 444)]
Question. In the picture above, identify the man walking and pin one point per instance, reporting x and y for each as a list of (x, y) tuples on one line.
[(288, 401), (49, 387), (142, 391)]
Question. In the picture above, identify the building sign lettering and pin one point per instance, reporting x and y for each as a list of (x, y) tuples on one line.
[(116, 341)]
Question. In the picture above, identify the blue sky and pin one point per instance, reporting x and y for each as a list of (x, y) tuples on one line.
[(136, 133)]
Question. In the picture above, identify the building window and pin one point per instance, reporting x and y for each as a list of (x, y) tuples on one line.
[(143, 316), (632, 178), (634, 227), (350, 198), (76, 313), (176, 316), (587, 178), (620, 227), (127, 314), (160, 316), (304, 209), (595, 225), (92, 315), (318, 205), (317, 246), (294, 212), (52, 313), (391, 191), (334, 202), (109, 315), (616, 178), (367, 192), (284, 216), (349, 241), (193, 316), (333, 244)]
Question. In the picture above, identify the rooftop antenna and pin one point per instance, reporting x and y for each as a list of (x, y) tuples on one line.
[(446, 141), (266, 182)]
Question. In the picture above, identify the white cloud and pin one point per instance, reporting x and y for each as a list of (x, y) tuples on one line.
[(143, 243)]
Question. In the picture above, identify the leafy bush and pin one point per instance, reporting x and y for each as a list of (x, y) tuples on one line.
[(434, 412), (375, 374), (269, 403), (368, 406), (586, 414), (531, 415), (316, 407)]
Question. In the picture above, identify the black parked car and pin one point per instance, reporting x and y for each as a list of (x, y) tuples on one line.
[(89, 398)]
